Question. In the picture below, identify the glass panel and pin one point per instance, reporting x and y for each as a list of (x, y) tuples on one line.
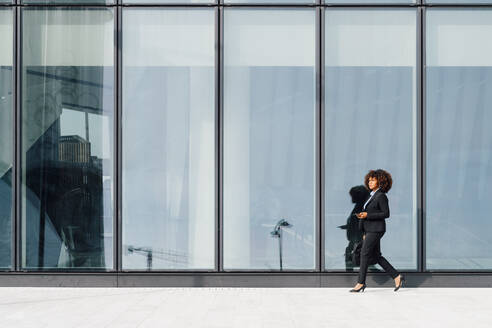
[(67, 138), (168, 139), (370, 123), (6, 136), (69, 2), (271, 1), (369, 1), (465, 2), (269, 133), (170, 1), (459, 139)]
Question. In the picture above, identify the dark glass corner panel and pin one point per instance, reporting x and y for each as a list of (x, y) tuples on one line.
[(6, 136), (67, 139)]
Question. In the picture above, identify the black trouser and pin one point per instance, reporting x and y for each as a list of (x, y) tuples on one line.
[(371, 247)]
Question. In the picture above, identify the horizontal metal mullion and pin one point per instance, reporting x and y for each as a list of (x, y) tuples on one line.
[(250, 5), (265, 273)]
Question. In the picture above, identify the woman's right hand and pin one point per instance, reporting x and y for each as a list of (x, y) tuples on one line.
[(363, 236)]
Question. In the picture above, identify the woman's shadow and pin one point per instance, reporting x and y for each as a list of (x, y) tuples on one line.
[(359, 196)]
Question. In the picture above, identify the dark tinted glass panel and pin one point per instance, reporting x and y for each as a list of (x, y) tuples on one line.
[(168, 139), (370, 123), (269, 133), (6, 136), (459, 139), (67, 138)]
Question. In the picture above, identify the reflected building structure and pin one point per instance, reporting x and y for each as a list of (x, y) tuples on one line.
[(63, 196), (142, 137)]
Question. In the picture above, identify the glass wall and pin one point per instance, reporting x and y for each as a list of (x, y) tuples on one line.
[(269, 137), (458, 139), (67, 138), (169, 135), (6, 136), (168, 139), (370, 123)]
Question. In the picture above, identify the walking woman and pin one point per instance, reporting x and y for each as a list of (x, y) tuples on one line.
[(372, 223)]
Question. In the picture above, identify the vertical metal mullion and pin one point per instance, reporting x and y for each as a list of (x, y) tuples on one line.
[(321, 135), (418, 85), (422, 143), (14, 200), (219, 78), (117, 247), (17, 139), (318, 142)]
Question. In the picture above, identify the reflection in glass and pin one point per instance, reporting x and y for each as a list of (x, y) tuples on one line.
[(370, 123), (464, 2), (67, 138), (354, 233), (6, 136), (368, 2), (271, 1), (459, 139), (269, 105), (170, 1), (69, 2), (168, 139)]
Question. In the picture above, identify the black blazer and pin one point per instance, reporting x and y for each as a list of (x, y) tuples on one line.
[(377, 210)]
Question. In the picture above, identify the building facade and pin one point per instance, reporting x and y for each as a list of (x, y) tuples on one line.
[(203, 143)]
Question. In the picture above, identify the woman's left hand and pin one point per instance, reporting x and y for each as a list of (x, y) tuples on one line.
[(362, 215)]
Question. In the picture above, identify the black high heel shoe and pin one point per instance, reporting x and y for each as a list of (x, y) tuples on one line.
[(353, 290), (402, 279)]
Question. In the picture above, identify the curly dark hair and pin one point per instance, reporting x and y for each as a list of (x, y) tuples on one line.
[(384, 179)]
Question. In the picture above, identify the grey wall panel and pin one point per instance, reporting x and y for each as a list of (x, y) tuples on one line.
[(220, 280), (58, 280), (253, 280)]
